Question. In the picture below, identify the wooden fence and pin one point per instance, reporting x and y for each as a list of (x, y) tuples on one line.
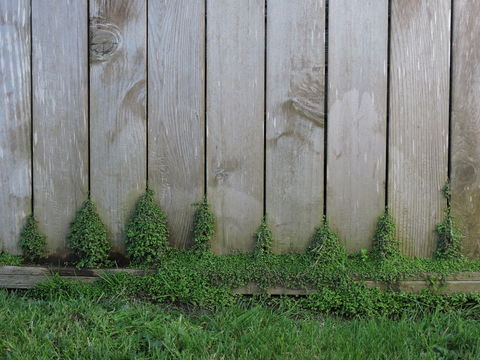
[(289, 108)]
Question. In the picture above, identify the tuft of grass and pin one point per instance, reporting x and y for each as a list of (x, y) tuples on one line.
[(263, 238), (385, 244), (32, 242), (203, 226), (88, 237), (147, 231)]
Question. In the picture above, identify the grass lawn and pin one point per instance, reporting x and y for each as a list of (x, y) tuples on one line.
[(119, 329)]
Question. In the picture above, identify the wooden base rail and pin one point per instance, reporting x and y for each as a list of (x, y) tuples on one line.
[(25, 277)]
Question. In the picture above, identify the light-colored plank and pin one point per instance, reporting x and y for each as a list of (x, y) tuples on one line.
[(60, 131), (15, 121), (295, 121), (465, 138), (357, 96), (117, 40), (176, 114), (235, 119), (419, 97)]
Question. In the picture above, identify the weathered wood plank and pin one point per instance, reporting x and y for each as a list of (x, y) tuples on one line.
[(60, 130), (357, 93), (176, 110), (295, 121), (419, 98), (19, 277), (15, 121), (117, 41), (465, 137), (235, 119)]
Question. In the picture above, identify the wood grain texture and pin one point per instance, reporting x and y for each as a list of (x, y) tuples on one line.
[(357, 93), (295, 121), (465, 137), (176, 110), (60, 131), (235, 119), (419, 111), (117, 41), (15, 121)]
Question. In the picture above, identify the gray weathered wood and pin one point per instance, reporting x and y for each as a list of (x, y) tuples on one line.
[(60, 131), (295, 121), (419, 97), (176, 114), (235, 119), (15, 121), (465, 137), (117, 41), (357, 93)]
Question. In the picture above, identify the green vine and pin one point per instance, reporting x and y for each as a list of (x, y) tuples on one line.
[(263, 238), (385, 244), (449, 236), (146, 231), (88, 237), (203, 226), (32, 242)]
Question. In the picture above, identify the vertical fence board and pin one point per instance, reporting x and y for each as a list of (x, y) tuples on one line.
[(15, 125), (466, 123), (295, 121), (60, 140), (176, 114), (357, 93), (235, 119), (117, 110), (419, 107)]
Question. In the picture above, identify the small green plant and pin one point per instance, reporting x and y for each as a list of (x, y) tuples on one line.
[(364, 255), (385, 244), (325, 245), (203, 226), (32, 242), (147, 231), (88, 237), (449, 236), (263, 238), (7, 259)]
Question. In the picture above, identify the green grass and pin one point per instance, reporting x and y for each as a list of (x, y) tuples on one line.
[(83, 328)]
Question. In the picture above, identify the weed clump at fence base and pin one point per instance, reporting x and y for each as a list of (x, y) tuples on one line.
[(88, 237), (385, 244), (263, 238), (203, 226), (32, 242), (449, 243), (325, 245), (147, 231)]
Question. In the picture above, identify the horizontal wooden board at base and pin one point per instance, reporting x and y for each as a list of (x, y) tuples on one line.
[(25, 277)]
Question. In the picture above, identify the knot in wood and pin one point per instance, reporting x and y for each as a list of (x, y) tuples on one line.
[(104, 40)]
